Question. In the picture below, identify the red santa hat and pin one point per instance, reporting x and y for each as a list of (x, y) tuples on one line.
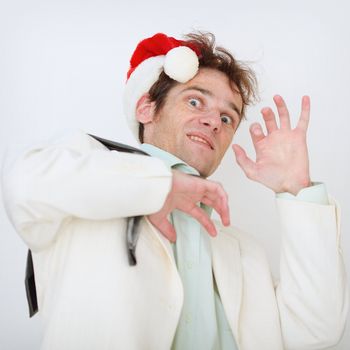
[(178, 59)]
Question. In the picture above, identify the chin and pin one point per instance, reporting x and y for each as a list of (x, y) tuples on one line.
[(205, 174), (203, 171), (204, 167)]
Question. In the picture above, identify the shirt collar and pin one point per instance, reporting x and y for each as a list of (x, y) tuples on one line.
[(169, 159), (172, 162)]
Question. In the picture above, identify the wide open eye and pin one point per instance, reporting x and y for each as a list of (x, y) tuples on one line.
[(226, 119), (194, 102)]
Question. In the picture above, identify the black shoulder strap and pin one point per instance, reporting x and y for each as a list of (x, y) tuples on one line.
[(132, 232), (131, 239), (116, 146), (29, 282)]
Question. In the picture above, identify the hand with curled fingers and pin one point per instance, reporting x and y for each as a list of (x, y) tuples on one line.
[(282, 162), (185, 194)]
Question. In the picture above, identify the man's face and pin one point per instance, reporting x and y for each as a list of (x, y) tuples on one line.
[(197, 121)]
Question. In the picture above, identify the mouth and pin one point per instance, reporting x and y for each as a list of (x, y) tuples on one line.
[(201, 139)]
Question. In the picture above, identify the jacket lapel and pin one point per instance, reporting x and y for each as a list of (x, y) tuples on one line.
[(227, 268), (162, 241), (228, 275)]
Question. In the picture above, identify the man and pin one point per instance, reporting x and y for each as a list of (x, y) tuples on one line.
[(197, 284)]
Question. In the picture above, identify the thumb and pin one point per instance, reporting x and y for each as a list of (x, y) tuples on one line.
[(246, 164)]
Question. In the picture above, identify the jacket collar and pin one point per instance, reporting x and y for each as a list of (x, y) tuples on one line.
[(227, 269)]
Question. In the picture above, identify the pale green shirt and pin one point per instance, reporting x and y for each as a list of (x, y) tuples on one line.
[(203, 323)]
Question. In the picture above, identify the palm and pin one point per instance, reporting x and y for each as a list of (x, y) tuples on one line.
[(281, 156)]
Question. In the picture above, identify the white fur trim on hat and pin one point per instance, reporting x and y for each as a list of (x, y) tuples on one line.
[(139, 83), (180, 64)]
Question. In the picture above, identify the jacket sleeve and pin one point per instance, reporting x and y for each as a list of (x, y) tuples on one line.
[(75, 176), (312, 294)]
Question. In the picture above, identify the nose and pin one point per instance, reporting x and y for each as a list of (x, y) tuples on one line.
[(211, 120)]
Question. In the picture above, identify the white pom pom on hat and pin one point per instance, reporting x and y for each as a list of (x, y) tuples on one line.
[(181, 64), (178, 59)]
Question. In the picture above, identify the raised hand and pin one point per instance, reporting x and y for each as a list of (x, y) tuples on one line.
[(282, 162), (186, 192)]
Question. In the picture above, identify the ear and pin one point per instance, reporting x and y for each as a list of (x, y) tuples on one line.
[(144, 109)]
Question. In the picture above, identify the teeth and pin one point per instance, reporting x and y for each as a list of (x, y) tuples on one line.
[(199, 139)]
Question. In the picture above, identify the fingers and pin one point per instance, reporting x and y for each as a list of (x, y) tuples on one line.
[(256, 134), (164, 226), (219, 204), (201, 216), (168, 231), (247, 165), (210, 193), (303, 122), (270, 119), (282, 112), (187, 191)]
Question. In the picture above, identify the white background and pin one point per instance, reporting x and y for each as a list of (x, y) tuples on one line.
[(63, 65)]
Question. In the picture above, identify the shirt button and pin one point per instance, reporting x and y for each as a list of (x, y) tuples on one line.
[(188, 318), (189, 265)]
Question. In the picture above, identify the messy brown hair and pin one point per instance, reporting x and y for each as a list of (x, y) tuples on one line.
[(242, 78)]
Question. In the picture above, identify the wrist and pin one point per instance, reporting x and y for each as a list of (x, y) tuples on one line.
[(295, 187)]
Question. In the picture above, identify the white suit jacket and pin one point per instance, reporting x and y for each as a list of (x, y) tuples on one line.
[(68, 200)]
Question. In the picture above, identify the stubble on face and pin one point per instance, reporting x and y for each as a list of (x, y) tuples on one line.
[(191, 126)]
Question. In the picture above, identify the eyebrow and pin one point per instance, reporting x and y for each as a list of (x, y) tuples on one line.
[(209, 93)]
